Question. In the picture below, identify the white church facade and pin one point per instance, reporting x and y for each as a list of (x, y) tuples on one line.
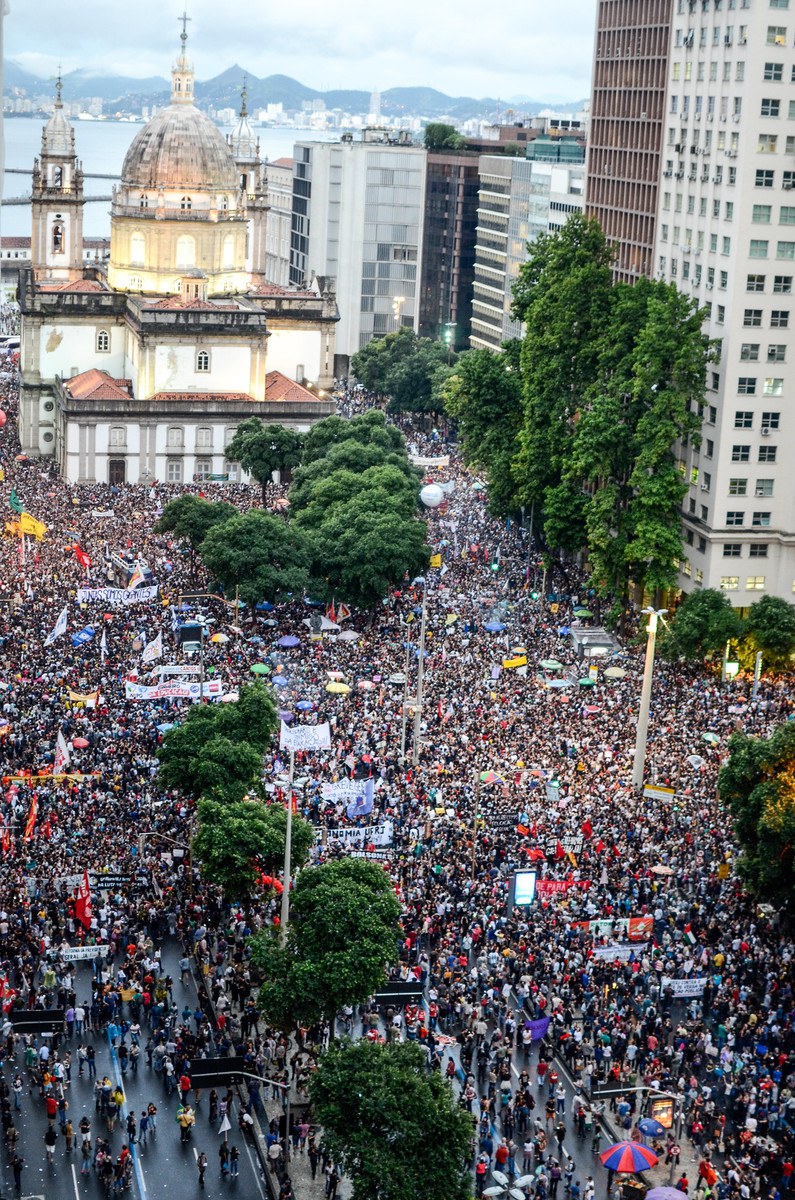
[(141, 368)]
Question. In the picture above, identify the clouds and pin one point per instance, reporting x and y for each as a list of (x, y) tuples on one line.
[(465, 49)]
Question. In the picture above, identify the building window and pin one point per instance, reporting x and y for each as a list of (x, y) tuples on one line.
[(749, 352), (770, 108), (773, 387), (144, 200), (755, 583), (186, 251), (732, 549), (203, 360), (776, 353), (175, 437), (729, 583), (776, 35), (767, 454), (174, 470), (204, 437), (738, 487), (229, 253), (743, 419), (782, 284), (771, 420), (779, 318), (203, 468), (746, 385), (758, 550), (752, 317), (57, 238), (786, 214), (761, 519), (760, 215), (137, 250), (103, 341), (764, 179), (773, 72), (186, 203), (741, 453), (764, 487), (118, 436), (735, 518), (785, 249), (755, 283), (768, 143)]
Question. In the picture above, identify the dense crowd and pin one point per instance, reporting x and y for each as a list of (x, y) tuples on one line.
[(694, 998)]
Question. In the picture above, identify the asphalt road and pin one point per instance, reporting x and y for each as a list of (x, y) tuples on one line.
[(164, 1167)]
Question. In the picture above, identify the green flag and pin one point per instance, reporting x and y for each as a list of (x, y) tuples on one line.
[(15, 502)]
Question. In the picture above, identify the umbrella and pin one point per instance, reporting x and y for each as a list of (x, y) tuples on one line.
[(348, 635), (560, 683), (365, 685), (451, 618), (281, 503), (494, 626), (712, 738), (665, 1193), (286, 715), (264, 606), (491, 777), (289, 640), (695, 760), (305, 705), (230, 697), (79, 743), (507, 1187), (336, 675), (280, 681), (164, 728), (255, 641), (650, 1128), (661, 869), (628, 1157), (615, 673), (398, 677), (583, 612), (587, 682), (271, 622), (220, 637), (337, 689), (260, 669), (551, 664)]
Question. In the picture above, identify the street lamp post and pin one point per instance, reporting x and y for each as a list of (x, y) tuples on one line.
[(642, 734)]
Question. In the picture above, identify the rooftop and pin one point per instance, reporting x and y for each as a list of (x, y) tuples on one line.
[(98, 385), (280, 387)]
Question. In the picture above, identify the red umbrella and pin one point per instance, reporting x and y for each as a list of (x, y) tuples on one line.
[(628, 1157), (79, 743)]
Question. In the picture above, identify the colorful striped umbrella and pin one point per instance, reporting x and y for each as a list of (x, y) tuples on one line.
[(628, 1157)]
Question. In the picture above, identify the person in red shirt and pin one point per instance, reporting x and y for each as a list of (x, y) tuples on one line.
[(184, 1087), (52, 1108)]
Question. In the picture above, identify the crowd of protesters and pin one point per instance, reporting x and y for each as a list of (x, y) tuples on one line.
[(650, 963)]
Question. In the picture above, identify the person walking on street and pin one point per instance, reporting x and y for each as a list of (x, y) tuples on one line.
[(50, 1138), (234, 1163), (201, 1164), (17, 1166)]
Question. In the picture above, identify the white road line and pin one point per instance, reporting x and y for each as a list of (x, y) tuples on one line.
[(74, 1181), (255, 1167)]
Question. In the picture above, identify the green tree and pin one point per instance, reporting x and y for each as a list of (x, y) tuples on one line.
[(701, 627), (262, 448), (234, 842), (369, 428), (395, 1126), (439, 136), (258, 553), (413, 383), (483, 394), (770, 627), (343, 933), (758, 784), (372, 364), (190, 519)]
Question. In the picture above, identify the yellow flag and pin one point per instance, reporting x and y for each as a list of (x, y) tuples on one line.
[(29, 524), (12, 527), (436, 560)]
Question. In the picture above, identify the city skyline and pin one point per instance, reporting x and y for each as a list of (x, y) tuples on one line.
[(337, 47)]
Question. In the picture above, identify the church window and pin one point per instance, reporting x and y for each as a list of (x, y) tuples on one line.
[(136, 283), (224, 203), (103, 341), (175, 438), (203, 360), (186, 202), (174, 470), (118, 436), (57, 177), (229, 253), (138, 249), (57, 237), (204, 437), (144, 201), (203, 468), (186, 251)]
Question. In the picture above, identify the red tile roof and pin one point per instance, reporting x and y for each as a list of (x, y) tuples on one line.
[(98, 385), (232, 397), (274, 289), (279, 387), (78, 285), (177, 302), (282, 162), (15, 243)]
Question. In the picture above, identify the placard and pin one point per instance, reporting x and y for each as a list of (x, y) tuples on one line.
[(123, 596), (305, 737)]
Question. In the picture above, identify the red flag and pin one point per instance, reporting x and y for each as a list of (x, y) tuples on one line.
[(559, 851), (31, 825), (331, 614), (587, 828), (83, 903), (600, 846), (82, 557)]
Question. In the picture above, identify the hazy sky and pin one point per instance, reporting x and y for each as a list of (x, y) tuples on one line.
[(466, 47)]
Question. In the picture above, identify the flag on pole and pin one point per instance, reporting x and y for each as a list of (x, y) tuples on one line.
[(15, 503), (331, 614), (136, 578), (34, 811), (83, 910), (82, 557), (103, 645), (29, 524), (62, 758), (343, 612), (154, 649), (59, 628)]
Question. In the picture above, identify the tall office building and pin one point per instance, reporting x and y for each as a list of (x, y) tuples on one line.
[(448, 259), (625, 134), (358, 218)]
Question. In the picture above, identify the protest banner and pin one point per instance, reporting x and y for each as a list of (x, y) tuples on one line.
[(190, 690), (305, 737), (110, 595), (359, 836), (75, 953), (685, 988)]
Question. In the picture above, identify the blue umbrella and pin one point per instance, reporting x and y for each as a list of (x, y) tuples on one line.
[(164, 728), (255, 641), (649, 1127), (271, 622), (280, 681), (285, 715), (264, 606), (305, 705), (289, 640), (494, 626)]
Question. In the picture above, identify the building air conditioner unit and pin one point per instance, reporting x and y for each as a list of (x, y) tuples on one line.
[(705, 487), (710, 116), (680, 174), (736, 118), (787, 187), (765, 431), (667, 174), (717, 179), (705, 178), (710, 286), (731, 153), (722, 117), (678, 148)]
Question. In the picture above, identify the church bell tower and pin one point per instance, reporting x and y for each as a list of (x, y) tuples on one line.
[(57, 202)]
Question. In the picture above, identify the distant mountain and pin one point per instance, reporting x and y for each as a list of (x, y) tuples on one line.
[(121, 92), (527, 102)]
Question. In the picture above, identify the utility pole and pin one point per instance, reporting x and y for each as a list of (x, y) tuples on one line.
[(642, 734)]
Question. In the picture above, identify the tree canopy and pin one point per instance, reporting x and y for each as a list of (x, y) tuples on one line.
[(190, 519), (235, 842), (262, 448), (439, 136), (758, 784), (701, 626), (396, 1127), (259, 554), (410, 370), (343, 933), (770, 627)]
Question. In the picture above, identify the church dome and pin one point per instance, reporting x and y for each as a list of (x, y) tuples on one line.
[(180, 148), (58, 137)]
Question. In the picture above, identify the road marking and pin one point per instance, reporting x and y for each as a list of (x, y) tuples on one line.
[(74, 1181), (256, 1169), (137, 1167)]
